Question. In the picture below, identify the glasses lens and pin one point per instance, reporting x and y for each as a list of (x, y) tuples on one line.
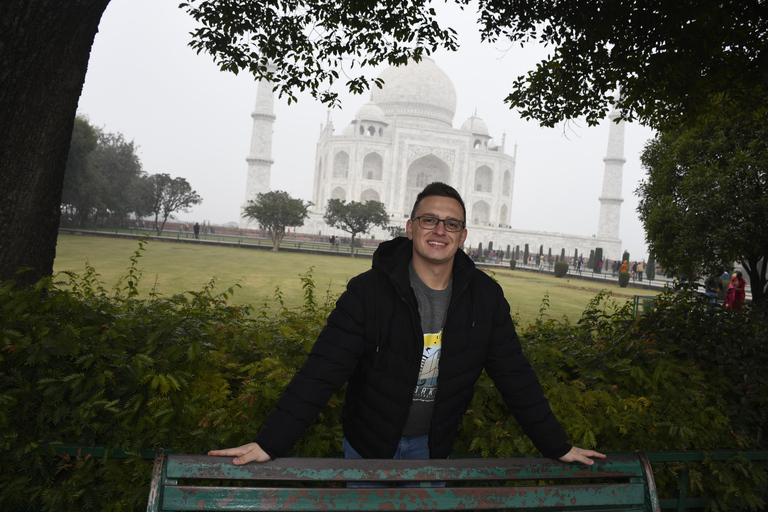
[(452, 225), (428, 222)]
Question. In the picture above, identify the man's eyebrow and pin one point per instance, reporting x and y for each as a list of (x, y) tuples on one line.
[(427, 214)]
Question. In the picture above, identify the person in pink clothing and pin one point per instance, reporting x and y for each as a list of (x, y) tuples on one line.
[(736, 294)]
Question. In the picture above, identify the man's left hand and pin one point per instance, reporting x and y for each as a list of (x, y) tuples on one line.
[(580, 455)]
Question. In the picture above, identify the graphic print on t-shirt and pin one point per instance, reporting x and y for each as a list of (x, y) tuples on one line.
[(427, 383)]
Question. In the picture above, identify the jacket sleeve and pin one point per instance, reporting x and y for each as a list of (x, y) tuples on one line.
[(519, 385), (331, 361)]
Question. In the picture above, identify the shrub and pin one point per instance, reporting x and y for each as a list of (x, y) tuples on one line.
[(621, 383), (598, 258), (650, 267), (624, 279), (83, 365), (561, 268), (513, 264)]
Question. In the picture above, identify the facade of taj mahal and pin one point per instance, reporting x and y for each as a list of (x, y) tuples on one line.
[(403, 139)]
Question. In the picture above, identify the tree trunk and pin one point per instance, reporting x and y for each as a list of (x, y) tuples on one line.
[(162, 226), (352, 246), (756, 268), (44, 50)]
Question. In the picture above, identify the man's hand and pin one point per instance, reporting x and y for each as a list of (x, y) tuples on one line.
[(580, 455), (243, 454)]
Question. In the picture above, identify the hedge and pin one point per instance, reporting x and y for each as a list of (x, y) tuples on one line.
[(83, 364)]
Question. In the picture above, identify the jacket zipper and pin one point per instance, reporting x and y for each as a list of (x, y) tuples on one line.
[(417, 328), (451, 305)]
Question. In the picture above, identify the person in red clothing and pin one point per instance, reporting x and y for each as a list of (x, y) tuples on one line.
[(736, 294)]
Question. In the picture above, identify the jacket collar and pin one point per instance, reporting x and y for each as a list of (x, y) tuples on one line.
[(393, 256)]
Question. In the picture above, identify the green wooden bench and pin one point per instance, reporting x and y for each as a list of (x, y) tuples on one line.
[(643, 303), (198, 482)]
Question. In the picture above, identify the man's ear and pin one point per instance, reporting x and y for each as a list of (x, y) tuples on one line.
[(409, 229), (463, 237)]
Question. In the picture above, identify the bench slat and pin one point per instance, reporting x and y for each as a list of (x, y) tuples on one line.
[(373, 470), (629, 496)]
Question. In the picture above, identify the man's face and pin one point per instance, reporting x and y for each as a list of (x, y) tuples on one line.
[(436, 246)]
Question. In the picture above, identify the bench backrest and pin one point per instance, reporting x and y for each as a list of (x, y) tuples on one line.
[(196, 482)]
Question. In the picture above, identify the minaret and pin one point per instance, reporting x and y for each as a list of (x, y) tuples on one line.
[(610, 200), (260, 158)]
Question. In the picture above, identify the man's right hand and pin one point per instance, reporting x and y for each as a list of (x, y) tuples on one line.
[(243, 454)]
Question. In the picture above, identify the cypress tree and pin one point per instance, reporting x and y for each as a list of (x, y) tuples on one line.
[(650, 268), (598, 258)]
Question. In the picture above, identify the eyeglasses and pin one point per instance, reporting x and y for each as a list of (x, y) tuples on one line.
[(429, 222)]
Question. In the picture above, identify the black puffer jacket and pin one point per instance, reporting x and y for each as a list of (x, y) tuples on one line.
[(374, 341)]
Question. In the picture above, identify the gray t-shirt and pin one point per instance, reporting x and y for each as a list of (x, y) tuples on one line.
[(433, 308)]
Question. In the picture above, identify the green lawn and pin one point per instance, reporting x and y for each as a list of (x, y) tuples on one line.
[(180, 267)]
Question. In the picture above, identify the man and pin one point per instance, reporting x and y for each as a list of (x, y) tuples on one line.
[(411, 337), (712, 285)]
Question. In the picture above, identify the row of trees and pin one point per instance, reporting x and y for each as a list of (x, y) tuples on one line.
[(104, 182), (277, 210)]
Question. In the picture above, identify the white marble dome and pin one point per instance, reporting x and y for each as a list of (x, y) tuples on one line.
[(370, 112), (349, 130), (475, 125), (418, 94)]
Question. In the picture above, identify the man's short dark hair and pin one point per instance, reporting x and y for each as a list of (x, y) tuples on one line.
[(438, 188)]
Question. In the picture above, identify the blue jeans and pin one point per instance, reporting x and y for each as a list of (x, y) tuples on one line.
[(410, 447)]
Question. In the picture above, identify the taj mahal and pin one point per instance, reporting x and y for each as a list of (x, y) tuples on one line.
[(403, 139)]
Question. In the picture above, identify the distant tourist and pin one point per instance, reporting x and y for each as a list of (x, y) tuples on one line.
[(712, 286), (197, 230), (736, 294)]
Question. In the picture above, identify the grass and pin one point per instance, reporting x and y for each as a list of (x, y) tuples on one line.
[(178, 267)]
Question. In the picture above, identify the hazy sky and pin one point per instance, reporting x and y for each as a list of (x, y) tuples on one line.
[(189, 119)]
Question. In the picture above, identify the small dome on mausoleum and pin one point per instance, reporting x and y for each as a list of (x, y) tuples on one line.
[(370, 112), (349, 130), (475, 125)]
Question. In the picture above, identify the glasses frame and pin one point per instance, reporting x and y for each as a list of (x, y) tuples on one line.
[(439, 220)]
